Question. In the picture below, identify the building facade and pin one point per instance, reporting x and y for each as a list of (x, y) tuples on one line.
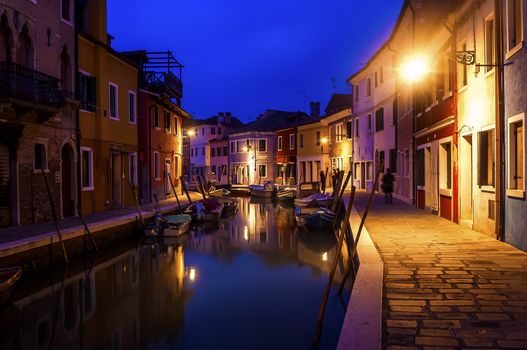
[(313, 151), (219, 160), (286, 156), (37, 112), (338, 116), (108, 116)]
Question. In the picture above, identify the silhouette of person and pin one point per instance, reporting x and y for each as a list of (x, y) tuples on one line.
[(387, 185)]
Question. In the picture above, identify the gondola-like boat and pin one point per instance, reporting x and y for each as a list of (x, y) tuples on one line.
[(8, 278)]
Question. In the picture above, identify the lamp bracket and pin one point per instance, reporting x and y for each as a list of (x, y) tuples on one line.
[(466, 57)]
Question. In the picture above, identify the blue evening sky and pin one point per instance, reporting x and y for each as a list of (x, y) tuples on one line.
[(245, 56)]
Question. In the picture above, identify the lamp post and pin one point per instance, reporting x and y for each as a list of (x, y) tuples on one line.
[(323, 141)]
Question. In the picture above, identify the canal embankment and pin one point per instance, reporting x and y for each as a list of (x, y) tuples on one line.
[(33, 243)]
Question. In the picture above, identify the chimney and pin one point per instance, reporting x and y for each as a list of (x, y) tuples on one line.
[(228, 118), (221, 117), (314, 109)]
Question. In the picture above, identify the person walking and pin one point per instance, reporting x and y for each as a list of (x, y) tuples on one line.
[(334, 176), (322, 181), (387, 185)]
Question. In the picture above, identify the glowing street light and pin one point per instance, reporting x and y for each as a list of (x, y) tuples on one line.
[(414, 69), (245, 149), (191, 133), (325, 256), (324, 140)]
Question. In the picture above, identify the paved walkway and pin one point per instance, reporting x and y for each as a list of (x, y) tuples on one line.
[(445, 286), (17, 239)]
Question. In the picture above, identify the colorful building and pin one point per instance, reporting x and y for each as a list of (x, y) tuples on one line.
[(160, 119), (313, 151), (219, 159), (37, 112), (338, 114), (108, 87), (286, 145)]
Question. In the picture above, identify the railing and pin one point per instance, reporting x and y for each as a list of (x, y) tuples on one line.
[(167, 82), (26, 84)]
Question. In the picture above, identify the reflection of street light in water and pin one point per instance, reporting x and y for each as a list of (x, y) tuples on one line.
[(191, 272), (325, 257), (246, 233)]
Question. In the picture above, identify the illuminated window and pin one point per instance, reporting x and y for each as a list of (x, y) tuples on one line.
[(445, 165), (262, 170), (262, 145)]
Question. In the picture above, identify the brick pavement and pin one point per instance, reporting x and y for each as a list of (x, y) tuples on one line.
[(446, 286)]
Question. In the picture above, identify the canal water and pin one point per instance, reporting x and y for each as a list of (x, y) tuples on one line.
[(250, 282)]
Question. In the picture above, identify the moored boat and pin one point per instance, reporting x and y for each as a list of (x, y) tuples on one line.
[(314, 200), (209, 209), (322, 219), (8, 278), (177, 225), (268, 190), (287, 194)]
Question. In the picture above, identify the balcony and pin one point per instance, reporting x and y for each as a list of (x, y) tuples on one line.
[(27, 89), (165, 82)]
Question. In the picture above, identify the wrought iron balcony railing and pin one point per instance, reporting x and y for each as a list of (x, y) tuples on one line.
[(28, 85), (165, 81)]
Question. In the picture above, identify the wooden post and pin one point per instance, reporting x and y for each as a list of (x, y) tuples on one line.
[(156, 204), (132, 186), (326, 178), (201, 189), (322, 310), (87, 229), (336, 203), (55, 219), (174, 190), (184, 189)]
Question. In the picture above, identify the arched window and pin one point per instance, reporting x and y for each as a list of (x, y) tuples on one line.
[(5, 36), (24, 51), (65, 70)]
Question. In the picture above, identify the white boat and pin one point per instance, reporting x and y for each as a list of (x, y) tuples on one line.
[(177, 225), (268, 190), (314, 200), (286, 194)]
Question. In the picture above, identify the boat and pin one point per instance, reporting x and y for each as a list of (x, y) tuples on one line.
[(268, 190), (230, 208), (220, 192), (156, 226), (314, 200), (322, 219), (177, 225), (308, 188), (209, 209), (287, 194), (8, 278)]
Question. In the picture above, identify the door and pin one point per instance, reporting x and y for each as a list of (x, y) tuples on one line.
[(68, 180), (465, 180), (116, 179), (431, 178), (363, 175), (167, 179), (5, 187)]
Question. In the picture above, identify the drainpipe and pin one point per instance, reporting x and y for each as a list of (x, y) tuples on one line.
[(499, 122), (77, 115), (414, 147), (149, 150)]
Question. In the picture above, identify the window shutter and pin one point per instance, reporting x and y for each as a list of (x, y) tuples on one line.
[(92, 93)]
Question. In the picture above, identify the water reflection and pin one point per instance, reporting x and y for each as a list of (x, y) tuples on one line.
[(252, 273)]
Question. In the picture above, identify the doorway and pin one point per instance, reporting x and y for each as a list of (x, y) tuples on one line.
[(167, 179), (67, 157), (5, 187), (116, 179), (465, 181), (363, 175)]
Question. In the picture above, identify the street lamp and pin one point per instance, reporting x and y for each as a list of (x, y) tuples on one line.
[(415, 68), (191, 133)]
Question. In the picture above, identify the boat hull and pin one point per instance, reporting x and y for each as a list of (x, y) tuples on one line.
[(8, 278)]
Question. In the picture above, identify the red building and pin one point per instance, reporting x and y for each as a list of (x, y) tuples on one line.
[(160, 119), (286, 156)]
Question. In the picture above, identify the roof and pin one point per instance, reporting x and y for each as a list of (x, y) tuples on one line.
[(234, 122), (272, 120), (339, 102)]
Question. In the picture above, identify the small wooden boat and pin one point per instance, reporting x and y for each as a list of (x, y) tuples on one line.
[(308, 188), (230, 208), (314, 200), (8, 278), (156, 226), (221, 192), (209, 209), (268, 190), (287, 194), (322, 219), (177, 225)]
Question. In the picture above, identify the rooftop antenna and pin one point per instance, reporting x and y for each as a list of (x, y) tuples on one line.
[(306, 98), (334, 80)]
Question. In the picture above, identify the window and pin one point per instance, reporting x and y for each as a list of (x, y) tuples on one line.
[(233, 147), (376, 80), (516, 154), (368, 87), (156, 117), (156, 166), (213, 152), (369, 171), (176, 126), (114, 103), (357, 171), (356, 93), (448, 70), (486, 160), (192, 152), (213, 131), (262, 170), (40, 157), (131, 107), (349, 129), (167, 122), (301, 140), (225, 151), (239, 145), (218, 152), (489, 44), (369, 123), (381, 161), (132, 162), (87, 89), (291, 141), (514, 24), (279, 141), (382, 75), (464, 75), (420, 162), (202, 151), (339, 134), (65, 10), (219, 130), (357, 127), (213, 169), (393, 160), (202, 131), (262, 145), (86, 168), (379, 119), (317, 140), (445, 166)]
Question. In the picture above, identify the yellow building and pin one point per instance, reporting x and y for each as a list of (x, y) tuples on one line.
[(108, 116), (312, 151)]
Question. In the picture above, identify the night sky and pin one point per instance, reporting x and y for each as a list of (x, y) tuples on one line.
[(246, 56)]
